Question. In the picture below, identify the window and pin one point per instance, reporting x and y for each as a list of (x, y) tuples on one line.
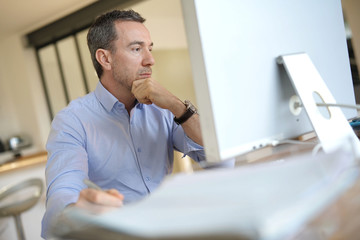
[(63, 57)]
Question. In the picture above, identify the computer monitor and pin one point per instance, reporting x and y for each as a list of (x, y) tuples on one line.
[(242, 93)]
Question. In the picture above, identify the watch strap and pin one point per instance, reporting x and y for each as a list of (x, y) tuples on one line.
[(190, 110)]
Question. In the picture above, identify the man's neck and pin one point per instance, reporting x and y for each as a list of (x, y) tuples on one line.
[(121, 93)]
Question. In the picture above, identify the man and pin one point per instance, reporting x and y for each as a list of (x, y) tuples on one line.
[(122, 135)]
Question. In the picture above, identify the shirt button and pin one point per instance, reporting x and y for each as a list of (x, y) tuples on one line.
[(147, 179), (139, 149)]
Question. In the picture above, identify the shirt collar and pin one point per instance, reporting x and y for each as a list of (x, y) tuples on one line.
[(105, 97), (108, 100)]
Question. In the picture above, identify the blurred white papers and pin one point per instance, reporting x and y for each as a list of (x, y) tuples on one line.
[(266, 201)]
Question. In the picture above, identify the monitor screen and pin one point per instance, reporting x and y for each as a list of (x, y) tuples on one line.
[(243, 94)]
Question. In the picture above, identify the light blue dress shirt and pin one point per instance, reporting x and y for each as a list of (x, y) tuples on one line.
[(94, 137)]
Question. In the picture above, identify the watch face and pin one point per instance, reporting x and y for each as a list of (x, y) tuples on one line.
[(190, 106)]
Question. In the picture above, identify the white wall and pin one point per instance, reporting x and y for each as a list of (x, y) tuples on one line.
[(7, 108), (22, 102), (172, 70)]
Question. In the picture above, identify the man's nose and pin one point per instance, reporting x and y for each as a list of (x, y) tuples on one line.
[(148, 59)]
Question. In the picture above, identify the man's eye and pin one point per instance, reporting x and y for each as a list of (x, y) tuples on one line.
[(137, 49)]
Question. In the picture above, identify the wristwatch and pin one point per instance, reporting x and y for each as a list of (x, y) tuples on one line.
[(190, 110)]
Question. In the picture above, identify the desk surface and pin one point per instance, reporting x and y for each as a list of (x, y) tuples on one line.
[(340, 220)]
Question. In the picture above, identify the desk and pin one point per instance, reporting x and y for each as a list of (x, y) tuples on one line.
[(340, 220), (237, 207)]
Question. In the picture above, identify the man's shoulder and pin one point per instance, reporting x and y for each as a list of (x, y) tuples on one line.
[(79, 106), (86, 100)]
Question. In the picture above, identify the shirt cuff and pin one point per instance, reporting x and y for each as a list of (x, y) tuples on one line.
[(193, 150)]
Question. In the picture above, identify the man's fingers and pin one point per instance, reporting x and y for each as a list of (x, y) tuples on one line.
[(148, 91), (142, 90), (102, 197), (115, 193)]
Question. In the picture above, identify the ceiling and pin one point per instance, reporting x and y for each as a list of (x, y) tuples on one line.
[(24, 16), (164, 17)]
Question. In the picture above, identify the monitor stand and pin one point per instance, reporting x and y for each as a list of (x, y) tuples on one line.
[(332, 128)]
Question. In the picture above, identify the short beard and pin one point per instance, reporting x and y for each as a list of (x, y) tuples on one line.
[(123, 80)]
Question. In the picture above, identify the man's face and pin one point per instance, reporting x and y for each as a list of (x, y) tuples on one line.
[(132, 59)]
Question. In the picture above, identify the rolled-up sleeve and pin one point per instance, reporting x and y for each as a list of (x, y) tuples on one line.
[(187, 146)]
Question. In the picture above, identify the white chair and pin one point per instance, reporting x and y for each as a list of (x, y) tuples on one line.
[(18, 198)]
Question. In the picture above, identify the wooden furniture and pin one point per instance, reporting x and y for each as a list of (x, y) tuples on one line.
[(24, 162)]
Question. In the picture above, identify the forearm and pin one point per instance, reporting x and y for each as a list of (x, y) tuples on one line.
[(192, 125), (192, 129), (56, 202)]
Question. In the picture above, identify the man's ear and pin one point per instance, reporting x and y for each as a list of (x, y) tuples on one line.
[(104, 58)]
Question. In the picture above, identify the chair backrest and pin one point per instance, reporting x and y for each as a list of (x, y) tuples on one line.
[(17, 198)]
